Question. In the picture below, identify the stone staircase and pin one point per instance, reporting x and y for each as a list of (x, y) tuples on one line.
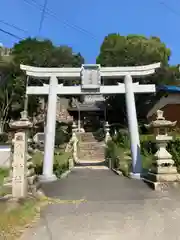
[(89, 149)]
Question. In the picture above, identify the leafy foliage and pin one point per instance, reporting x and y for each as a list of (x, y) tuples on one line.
[(63, 134), (44, 54), (61, 162), (135, 50), (12, 81), (132, 50)]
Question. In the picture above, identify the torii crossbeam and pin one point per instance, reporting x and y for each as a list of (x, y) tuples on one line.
[(90, 76)]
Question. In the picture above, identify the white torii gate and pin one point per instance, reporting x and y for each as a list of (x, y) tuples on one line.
[(90, 84)]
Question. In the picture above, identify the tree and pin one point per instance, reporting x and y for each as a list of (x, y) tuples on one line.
[(12, 80), (11, 93), (134, 50), (44, 54)]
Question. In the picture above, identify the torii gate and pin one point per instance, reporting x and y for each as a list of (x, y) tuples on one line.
[(90, 76)]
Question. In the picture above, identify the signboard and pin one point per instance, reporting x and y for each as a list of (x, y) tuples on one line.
[(93, 98), (90, 77)]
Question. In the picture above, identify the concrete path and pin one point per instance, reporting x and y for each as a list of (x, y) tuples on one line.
[(115, 208)]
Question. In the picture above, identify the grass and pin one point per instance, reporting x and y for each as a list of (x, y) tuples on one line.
[(13, 218), (3, 173), (12, 222)]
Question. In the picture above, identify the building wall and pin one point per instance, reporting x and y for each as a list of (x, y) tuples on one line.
[(171, 113), (170, 98)]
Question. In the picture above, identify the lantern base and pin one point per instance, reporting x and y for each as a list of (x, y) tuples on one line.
[(162, 181)]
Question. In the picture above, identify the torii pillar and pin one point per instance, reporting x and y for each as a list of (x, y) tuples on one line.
[(133, 127), (50, 132)]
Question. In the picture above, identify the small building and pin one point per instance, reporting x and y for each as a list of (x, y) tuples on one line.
[(89, 110), (169, 102)]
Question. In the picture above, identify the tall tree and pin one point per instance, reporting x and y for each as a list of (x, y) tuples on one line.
[(12, 81), (11, 93), (134, 50), (44, 54)]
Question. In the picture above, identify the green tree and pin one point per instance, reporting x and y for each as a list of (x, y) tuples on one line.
[(44, 54), (11, 93), (135, 50), (12, 80), (132, 50)]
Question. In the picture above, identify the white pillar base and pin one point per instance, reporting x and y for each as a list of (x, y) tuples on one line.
[(44, 178), (136, 176)]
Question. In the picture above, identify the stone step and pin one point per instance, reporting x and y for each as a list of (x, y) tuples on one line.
[(91, 148), (95, 149), (86, 137), (91, 153), (86, 157), (92, 167), (95, 143)]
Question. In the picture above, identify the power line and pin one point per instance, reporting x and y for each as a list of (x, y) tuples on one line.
[(64, 22), (43, 15), (13, 26), (169, 8), (10, 34)]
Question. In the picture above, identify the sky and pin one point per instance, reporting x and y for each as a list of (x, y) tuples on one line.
[(83, 25)]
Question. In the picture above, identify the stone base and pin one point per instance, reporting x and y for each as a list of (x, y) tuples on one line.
[(166, 177), (44, 178), (162, 181), (160, 186), (135, 176)]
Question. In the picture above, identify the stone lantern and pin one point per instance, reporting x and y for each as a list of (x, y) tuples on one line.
[(107, 132), (163, 171)]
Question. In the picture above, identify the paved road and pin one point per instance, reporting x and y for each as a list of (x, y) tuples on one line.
[(116, 208)]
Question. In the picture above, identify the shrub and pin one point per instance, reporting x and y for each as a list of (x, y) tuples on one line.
[(122, 139), (61, 162), (118, 149), (63, 134), (118, 157), (3, 174)]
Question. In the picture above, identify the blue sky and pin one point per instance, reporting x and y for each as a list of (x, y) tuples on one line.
[(98, 18)]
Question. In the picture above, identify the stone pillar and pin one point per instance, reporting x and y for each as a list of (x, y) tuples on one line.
[(133, 127), (48, 175), (19, 165)]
